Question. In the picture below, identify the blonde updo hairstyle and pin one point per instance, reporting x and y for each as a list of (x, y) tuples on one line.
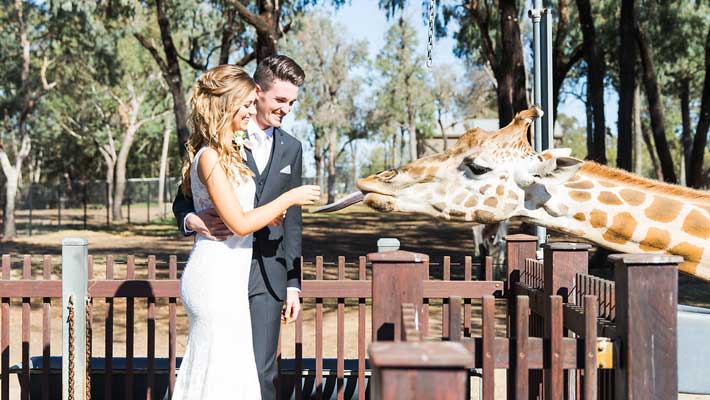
[(216, 97)]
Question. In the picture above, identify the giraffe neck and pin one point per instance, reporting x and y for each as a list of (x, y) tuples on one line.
[(625, 213)]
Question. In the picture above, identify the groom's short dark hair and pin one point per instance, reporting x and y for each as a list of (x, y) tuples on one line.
[(278, 67)]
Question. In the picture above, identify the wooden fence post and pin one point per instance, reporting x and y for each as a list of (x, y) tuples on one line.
[(421, 370), (397, 278), (646, 307), (562, 261), (518, 248), (75, 275)]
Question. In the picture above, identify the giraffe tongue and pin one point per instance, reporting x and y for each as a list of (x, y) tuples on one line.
[(347, 201)]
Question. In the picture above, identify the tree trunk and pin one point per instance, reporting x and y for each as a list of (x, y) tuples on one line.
[(227, 36), (173, 77), (686, 138), (627, 79), (652, 154), (443, 131), (332, 152), (353, 165), (589, 115), (695, 175), (595, 81), (318, 158), (267, 41), (655, 107), (395, 149), (638, 133), (412, 136), (510, 72), (9, 228), (163, 165)]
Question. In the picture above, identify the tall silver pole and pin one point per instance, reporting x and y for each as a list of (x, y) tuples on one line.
[(536, 15), (548, 98), (75, 275)]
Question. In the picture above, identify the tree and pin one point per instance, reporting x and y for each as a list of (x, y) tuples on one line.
[(627, 54), (25, 85), (169, 65), (655, 106), (328, 100), (443, 90), (499, 46), (404, 77), (595, 82), (697, 154)]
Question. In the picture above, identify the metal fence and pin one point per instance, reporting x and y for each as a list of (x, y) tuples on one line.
[(87, 204), (43, 207)]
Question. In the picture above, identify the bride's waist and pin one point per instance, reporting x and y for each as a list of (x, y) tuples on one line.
[(232, 242)]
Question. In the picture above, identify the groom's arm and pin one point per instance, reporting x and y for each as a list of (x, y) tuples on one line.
[(293, 228), (182, 206)]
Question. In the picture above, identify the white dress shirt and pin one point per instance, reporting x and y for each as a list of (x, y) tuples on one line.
[(261, 143)]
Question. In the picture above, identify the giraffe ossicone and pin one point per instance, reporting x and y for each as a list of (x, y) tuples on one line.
[(489, 177)]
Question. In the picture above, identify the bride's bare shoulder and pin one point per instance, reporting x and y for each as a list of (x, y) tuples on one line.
[(209, 159)]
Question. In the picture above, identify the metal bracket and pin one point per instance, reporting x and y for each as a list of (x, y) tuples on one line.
[(605, 353), (536, 14)]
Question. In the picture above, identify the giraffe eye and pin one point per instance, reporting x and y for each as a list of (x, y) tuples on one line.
[(387, 175), (471, 169), (477, 169)]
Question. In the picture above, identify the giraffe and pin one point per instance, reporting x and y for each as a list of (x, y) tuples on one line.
[(489, 177)]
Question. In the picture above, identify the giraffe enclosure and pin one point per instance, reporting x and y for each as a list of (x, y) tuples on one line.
[(350, 233)]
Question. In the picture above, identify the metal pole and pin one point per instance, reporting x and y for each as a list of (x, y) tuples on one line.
[(548, 98), (75, 260), (536, 15)]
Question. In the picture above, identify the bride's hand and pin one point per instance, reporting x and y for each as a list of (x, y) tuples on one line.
[(304, 195), (278, 220)]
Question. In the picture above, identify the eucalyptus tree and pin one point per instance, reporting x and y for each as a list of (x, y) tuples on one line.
[(330, 61), (404, 79), (27, 63)]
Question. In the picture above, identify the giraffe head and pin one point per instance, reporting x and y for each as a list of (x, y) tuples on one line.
[(485, 178)]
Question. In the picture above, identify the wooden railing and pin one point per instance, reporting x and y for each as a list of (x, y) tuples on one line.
[(562, 325), (135, 315)]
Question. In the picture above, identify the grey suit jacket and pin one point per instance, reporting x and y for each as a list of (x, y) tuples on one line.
[(277, 250)]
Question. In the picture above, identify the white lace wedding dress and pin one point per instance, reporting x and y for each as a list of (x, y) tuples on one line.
[(219, 358)]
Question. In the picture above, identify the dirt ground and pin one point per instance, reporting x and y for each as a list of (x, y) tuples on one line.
[(351, 233)]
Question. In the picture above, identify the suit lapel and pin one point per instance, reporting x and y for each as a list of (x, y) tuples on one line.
[(252, 166), (272, 168)]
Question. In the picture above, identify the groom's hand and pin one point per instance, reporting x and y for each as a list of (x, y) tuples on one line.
[(208, 224), (292, 306)]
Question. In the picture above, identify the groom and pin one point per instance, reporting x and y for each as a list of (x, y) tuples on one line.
[(275, 159)]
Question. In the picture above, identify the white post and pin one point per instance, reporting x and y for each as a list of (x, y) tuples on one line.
[(75, 260)]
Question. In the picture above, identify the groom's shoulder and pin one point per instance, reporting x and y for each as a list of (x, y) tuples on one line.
[(289, 139)]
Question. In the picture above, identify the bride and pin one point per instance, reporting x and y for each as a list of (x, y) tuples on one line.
[(219, 358)]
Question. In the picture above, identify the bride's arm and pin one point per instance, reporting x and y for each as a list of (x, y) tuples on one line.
[(226, 202)]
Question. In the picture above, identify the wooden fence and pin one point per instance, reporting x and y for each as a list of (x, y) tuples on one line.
[(555, 327), (569, 334)]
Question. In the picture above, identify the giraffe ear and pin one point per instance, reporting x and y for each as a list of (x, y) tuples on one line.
[(564, 169)]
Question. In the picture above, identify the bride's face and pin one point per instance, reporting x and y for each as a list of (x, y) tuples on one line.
[(244, 114)]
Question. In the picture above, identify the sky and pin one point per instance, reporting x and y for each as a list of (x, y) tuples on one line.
[(363, 19)]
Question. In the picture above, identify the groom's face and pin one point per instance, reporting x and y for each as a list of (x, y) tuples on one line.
[(274, 104)]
